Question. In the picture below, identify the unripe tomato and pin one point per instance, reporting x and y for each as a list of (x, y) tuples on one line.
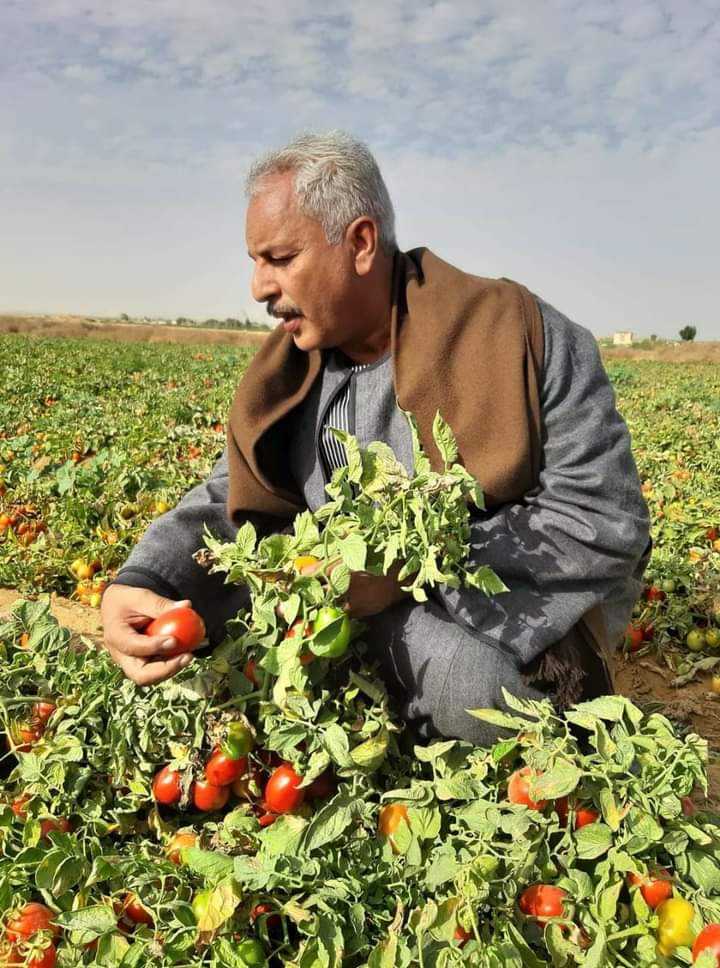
[(518, 790), (200, 904), (247, 787), (712, 638), (654, 888), (181, 623), (208, 797), (695, 640), (542, 901), (251, 952), (240, 739), (178, 843), (674, 925), (28, 920), (668, 586), (331, 633), (708, 940), (222, 770), (282, 791), (167, 786)]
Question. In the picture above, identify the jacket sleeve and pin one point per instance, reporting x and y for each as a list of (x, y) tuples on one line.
[(581, 538), (162, 560)]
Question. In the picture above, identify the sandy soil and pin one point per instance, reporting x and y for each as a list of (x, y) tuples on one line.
[(673, 353), (79, 327)]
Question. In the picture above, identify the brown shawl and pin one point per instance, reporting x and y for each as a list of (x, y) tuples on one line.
[(469, 347)]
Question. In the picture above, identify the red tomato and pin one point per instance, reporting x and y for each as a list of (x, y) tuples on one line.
[(461, 935), (519, 789), (42, 711), (249, 671), (543, 901), (221, 770), (208, 797), (23, 735), (267, 819), (183, 624), (297, 629), (322, 787), (54, 823), (648, 631), (584, 816), (708, 940), (273, 920), (167, 786), (654, 594), (633, 638), (281, 790), (28, 920), (18, 806), (688, 807), (133, 909), (45, 957), (654, 889)]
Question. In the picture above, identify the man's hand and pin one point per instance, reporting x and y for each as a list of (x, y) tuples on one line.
[(368, 594), (125, 611)]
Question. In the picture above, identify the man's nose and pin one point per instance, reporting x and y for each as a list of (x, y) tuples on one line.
[(264, 286)]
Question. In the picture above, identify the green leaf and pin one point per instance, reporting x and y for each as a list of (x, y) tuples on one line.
[(370, 754), (93, 921), (222, 903), (210, 865), (328, 824), (559, 781), (593, 840), (444, 440), (498, 718)]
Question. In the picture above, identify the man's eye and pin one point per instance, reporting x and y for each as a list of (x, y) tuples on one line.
[(278, 260)]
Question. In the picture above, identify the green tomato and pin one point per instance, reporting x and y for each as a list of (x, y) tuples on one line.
[(668, 586), (712, 638), (251, 952), (331, 633), (695, 640), (239, 740), (200, 904)]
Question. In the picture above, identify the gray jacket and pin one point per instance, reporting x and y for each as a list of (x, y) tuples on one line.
[(580, 539)]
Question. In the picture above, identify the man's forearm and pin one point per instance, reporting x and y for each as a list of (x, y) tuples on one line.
[(163, 558)]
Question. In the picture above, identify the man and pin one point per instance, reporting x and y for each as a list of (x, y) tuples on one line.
[(366, 330)]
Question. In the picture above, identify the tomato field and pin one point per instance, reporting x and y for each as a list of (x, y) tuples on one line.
[(265, 806)]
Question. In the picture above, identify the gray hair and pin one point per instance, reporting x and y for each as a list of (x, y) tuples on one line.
[(336, 181)]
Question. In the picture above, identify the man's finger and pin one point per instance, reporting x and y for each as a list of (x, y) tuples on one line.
[(145, 673), (128, 642)]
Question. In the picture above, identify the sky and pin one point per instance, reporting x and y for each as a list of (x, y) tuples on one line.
[(572, 145)]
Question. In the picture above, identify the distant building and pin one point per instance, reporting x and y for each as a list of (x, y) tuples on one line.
[(623, 338)]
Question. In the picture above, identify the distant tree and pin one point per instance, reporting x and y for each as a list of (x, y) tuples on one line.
[(688, 333), (653, 337), (124, 317)]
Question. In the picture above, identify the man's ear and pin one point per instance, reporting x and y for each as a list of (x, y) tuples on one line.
[(363, 237)]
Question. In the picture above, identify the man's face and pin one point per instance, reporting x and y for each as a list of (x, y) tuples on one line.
[(306, 282)]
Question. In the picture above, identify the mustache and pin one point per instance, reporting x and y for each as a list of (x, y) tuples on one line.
[(282, 312)]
